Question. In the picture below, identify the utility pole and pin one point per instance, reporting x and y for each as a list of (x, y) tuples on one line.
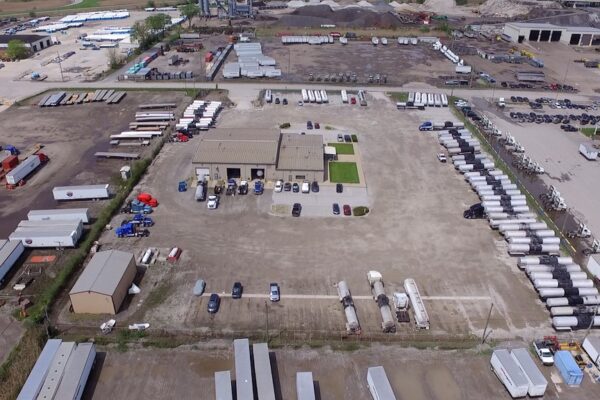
[(267, 310), (62, 79), (487, 322)]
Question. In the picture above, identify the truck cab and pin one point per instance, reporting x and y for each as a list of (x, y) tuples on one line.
[(543, 352), (501, 102), (258, 187)]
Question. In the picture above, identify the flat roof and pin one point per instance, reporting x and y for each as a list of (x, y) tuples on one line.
[(24, 38), (38, 373), (238, 146), (243, 370), (300, 152), (75, 371), (103, 273), (546, 25), (262, 372)]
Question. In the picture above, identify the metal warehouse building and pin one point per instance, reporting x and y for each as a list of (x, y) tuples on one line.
[(33, 42), (104, 283), (520, 32), (259, 154)]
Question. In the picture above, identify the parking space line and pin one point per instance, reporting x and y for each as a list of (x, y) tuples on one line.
[(334, 297)]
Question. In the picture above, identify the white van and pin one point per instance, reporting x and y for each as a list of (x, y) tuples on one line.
[(305, 187)]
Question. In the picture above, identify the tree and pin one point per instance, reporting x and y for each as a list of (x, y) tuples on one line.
[(190, 10), (140, 31), (158, 23), (150, 4), (115, 59), (16, 50)]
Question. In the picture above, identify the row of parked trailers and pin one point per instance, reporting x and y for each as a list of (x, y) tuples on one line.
[(558, 280), (428, 99), (108, 96), (200, 115), (518, 372), (60, 372), (314, 96)]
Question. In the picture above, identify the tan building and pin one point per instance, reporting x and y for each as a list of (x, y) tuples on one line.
[(103, 284), (250, 154)]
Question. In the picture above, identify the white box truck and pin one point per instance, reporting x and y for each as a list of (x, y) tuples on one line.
[(509, 373), (84, 192), (537, 382), (23, 169), (591, 345)]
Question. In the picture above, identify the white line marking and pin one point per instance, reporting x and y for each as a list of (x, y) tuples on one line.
[(334, 297)]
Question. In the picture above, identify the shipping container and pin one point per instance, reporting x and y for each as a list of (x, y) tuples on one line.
[(509, 373), (568, 368), (243, 370), (21, 171), (379, 385), (262, 372), (223, 390), (10, 251), (305, 387), (65, 214), (536, 380), (38, 373), (84, 192), (77, 372), (591, 345)]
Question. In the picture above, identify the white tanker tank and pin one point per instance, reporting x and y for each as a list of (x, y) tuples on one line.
[(524, 249), (505, 215), (576, 275), (498, 197), (531, 240), (512, 225), (541, 233), (573, 301), (555, 283), (536, 260), (529, 269), (376, 281), (352, 325), (578, 322), (560, 292)]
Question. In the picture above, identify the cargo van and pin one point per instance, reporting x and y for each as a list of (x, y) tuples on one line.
[(200, 193), (305, 187)]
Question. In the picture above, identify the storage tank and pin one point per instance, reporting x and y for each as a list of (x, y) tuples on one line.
[(570, 310), (572, 301), (545, 260), (533, 240), (559, 292), (516, 224), (498, 197), (541, 233), (575, 322), (555, 283), (351, 319), (515, 249), (552, 275)]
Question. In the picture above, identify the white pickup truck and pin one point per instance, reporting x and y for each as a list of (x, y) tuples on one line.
[(543, 352)]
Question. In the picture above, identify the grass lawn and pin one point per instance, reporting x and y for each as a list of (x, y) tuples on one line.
[(343, 172), (343, 148), (399, 96), (589, 132)]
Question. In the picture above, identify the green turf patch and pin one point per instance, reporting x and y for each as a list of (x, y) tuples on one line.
[(343, 148), (399, 96), (589, 132), (343, 172)]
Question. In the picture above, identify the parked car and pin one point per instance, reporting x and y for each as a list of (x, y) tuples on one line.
[(340, 137), (296, 209), (441, 157), (305, 187), (213, 303), (300, 103), (287, 187), (347, 138), (336, 209), (274, 292), (285, 102), (199, 287), (339, 188), (309, 125), (243, 188), (352, 100), (213, 202), (315, 187), (543, 352), (347, 210), (295, 188), (278, 186), (218, 189), (317, 125), (277, 101), (236, 290)]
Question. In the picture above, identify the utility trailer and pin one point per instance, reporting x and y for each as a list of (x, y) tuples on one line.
[(83, 192), (591, 345), (509, 373), (421, 316), (379, 385), (243, 370), (262, 372), (10, 251), (305, 388), (38, 373), (64, 214), (223, 386), (77, 372)]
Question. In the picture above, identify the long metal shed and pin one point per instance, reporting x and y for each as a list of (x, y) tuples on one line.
[(10, 251), (77, 372), (378, 383), (243, 370), (56, 371), (537, 382), (305, 387), (262, 371), (38, 373), (223, 386)]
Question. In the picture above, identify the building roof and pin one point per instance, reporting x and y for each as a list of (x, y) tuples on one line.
[(300, 152), (546, 25), (23, 38), (238, 146), (75, 371), (103, 273)]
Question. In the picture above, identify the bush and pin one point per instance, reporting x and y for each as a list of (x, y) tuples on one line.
[(354, 139), (424, 29), (285, 125), (360, 211)]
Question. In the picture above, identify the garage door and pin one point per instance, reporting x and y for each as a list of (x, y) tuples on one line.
[(202, 173)]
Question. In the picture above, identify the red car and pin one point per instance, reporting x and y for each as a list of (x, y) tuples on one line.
[(353, 100), (347, 210)]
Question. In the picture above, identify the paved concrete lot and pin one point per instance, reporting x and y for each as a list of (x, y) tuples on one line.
[(321, 204), (10, 334), (558, 152), (188, 373), (415, 230)]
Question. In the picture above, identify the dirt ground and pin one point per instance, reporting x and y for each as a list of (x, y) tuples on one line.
[(415, 230), (188, 373), (14, 7)]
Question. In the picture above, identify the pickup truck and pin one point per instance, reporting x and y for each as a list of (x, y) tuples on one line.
[(543, 352)]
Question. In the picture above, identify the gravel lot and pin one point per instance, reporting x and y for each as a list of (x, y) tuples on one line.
[(415, 229)]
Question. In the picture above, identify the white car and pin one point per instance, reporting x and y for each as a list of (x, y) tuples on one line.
[(278, 186), (441, 157), (213, 202)]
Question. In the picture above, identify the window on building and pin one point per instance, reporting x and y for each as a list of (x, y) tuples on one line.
[(300, 176)]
